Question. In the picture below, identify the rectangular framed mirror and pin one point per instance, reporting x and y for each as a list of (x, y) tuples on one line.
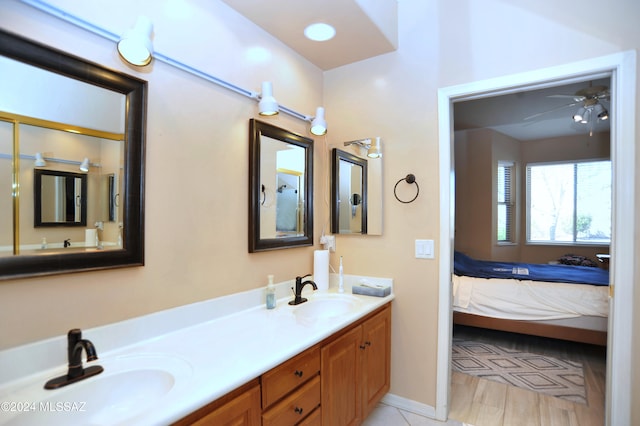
[(280, 188), (56, 123), (349, 193)]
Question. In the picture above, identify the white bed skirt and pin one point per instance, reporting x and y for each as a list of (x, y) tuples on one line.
[(532, 300)]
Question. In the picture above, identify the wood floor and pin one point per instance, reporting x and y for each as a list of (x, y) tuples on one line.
[(481, 402)]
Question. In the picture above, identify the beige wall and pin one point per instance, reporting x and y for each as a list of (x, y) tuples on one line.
[(477, 153), (197, 160), (442, 44), (196, 181)]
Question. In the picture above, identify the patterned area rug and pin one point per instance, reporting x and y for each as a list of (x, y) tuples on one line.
[(551, 376)]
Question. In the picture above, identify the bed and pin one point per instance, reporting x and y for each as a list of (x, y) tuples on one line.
[(558, 301)]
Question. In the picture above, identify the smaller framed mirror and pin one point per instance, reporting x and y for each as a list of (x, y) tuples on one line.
[(280, 188), (60, 198), (348, 193)]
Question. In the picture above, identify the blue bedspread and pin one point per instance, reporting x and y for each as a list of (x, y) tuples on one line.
[(464, 265)]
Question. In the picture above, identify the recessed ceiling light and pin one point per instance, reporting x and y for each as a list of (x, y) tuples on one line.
[(319, 32)]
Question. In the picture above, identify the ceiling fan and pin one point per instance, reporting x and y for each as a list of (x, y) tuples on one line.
[(589, 99)]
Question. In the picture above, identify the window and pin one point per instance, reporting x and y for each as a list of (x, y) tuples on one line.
[(569, 202), (505, 208)]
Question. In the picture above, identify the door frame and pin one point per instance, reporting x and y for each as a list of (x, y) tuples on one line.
[(621, 67)]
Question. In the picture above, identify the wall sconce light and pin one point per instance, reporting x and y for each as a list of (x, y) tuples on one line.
[(268, 104), (374, 150), (40, 160), (84, 166), (318, 123), (135, 46)]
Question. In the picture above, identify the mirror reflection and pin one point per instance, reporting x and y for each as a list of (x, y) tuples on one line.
[(349, 194), (60, 199), (281, 185)]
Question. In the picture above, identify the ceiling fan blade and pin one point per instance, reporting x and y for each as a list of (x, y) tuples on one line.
[(574, 97), (551, 110)]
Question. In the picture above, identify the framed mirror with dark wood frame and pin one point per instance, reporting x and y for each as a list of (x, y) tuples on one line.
[(280, 188), (125, 163), (349, 193)]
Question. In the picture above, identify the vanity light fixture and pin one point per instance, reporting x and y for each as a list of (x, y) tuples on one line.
[(84, 166), (135, 46), (145, 28), (268, 104), (374, 150), (318, 123), (39, 160)]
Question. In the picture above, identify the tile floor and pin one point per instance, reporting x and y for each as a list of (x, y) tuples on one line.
[(386, 415)]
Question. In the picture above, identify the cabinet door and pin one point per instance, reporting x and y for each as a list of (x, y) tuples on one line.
[(243, 410), (340, 375), (376, 360)]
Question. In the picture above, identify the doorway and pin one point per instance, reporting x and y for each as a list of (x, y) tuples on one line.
[(622, 68)]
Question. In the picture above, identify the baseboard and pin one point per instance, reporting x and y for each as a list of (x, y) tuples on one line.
[(409, 405)]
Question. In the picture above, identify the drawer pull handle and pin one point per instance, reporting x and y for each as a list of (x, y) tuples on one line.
[(363, 347), (298, 410), (298, 373), (367, 343)]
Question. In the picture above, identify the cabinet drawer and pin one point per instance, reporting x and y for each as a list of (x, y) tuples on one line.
[(295, 407), (314, 419), (287, 376)]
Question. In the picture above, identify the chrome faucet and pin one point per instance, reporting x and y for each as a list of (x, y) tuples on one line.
[(76, 372), (298, 299)]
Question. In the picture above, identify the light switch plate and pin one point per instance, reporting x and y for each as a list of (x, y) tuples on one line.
[(424, 249)]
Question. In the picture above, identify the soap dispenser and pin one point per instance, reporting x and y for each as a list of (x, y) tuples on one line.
[(271, 293)]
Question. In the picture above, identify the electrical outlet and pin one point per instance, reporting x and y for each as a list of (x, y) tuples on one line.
[(330, 243)]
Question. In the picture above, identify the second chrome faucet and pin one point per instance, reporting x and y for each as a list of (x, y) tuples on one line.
[(298, 299)]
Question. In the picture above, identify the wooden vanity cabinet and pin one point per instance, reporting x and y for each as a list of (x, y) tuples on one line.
[(356, 370), (291, 391), (337, 382), (238, 408)]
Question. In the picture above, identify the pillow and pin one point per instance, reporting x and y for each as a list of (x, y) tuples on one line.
[(576, 260)]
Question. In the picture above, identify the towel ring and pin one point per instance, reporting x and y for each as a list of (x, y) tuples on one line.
[(410, 178)]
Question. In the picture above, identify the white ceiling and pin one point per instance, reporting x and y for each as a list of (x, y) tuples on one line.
[(507, 113), (364, 29)]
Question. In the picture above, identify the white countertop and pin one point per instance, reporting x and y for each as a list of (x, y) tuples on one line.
[(211, 347)]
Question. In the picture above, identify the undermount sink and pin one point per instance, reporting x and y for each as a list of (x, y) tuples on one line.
[(326, 306), (128, 386)]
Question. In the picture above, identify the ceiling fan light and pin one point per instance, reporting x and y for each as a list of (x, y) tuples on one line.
[(601, 112), (579, 116)]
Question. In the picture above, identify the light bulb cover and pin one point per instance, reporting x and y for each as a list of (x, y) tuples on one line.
[(319, 124), (579, 115), (268, 104), (84, 166), (40, 160), (135, 46)]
